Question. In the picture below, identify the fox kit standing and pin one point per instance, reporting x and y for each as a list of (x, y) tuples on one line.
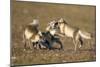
[(32, 33), (75, 33)]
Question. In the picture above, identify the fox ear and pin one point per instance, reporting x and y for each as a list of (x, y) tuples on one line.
[(61, 20), (35, 22)]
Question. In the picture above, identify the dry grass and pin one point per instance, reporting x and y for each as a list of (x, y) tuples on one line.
[(79, 16)]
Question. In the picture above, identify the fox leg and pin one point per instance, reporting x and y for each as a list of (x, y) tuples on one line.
[(76, 40), (25, 42), (38, 45), (25, 45), (80, 42), (75, 44), (30, 44)]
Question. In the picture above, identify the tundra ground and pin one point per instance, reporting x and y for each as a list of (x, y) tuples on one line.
[(23, 13)]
